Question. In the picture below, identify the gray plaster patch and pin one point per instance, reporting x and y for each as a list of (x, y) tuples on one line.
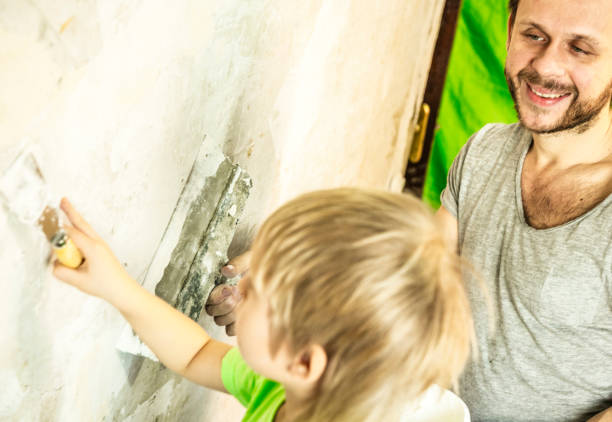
[(193, 232), (202, 248), (204, 273)]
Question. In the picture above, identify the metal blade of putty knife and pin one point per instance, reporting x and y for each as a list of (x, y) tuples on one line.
[(26, 194)]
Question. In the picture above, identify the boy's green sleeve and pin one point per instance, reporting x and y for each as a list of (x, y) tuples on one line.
[(262, 397), (239, 380)]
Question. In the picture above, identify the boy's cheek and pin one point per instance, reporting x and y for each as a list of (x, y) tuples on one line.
[(240, 322)]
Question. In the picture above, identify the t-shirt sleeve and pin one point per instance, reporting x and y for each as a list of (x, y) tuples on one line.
[(449, 198), (238, 378)]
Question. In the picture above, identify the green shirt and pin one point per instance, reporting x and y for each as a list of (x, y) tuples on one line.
[(262, 397)]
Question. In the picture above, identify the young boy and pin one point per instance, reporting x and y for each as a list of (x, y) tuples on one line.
[(352, 308)]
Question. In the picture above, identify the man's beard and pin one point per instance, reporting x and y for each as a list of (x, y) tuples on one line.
[(579, 115)]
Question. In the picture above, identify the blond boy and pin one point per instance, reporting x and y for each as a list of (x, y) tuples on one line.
[(353, 307)]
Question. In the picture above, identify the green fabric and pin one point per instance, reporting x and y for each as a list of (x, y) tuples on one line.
[(475, 92), (261, 396)]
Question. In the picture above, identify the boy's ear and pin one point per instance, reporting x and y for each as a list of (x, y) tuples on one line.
[(309, 364)]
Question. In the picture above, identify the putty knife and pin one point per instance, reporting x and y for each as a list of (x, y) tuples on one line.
[(26, 195)]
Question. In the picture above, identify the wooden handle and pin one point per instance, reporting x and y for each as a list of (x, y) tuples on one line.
[(68, 254)]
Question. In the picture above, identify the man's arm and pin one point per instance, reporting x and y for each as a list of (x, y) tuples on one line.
[(449, 225), (605, 416)]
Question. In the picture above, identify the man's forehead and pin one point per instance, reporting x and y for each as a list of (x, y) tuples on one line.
[(590, 19)]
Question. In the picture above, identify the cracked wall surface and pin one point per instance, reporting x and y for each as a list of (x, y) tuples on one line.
[(116, 97)]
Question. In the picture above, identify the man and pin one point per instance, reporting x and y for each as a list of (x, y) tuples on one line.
[(530, 206)]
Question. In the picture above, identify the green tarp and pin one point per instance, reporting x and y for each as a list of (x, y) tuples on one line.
[(475, 92)]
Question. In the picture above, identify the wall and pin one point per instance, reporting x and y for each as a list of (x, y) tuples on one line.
[(116, 97)]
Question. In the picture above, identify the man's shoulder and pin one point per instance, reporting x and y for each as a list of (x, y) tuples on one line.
[(493, 150), (496, 138), (494, 145)]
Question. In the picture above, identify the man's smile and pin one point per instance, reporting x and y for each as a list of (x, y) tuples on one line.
[(544, 97)]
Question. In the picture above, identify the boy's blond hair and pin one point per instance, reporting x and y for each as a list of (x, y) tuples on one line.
[(367, 275)]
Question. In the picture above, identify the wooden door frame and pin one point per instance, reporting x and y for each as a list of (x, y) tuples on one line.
[(415, 171)]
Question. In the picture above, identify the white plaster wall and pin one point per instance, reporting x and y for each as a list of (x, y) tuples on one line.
[(115, 96)]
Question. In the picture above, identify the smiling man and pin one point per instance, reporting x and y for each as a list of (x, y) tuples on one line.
[(530, 205)]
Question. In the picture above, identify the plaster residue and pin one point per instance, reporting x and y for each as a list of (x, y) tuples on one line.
[(12, 393), (23, 189), (118, 96), (156, 406)]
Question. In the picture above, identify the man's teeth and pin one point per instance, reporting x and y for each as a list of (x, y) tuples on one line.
[(539, 94)]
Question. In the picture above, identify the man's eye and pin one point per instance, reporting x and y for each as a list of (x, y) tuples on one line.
[(534, 37), (579, 50)]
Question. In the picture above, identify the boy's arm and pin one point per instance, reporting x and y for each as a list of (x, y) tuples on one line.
[(179, 342)]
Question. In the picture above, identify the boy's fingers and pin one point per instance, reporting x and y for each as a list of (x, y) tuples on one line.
[(237, 266), (230, 330), (76, 219), (81, 241), (221, 308), (220, 293), (66, 274), (223, 320)]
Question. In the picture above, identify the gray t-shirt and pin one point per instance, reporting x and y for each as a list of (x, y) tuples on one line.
[(550, 356)]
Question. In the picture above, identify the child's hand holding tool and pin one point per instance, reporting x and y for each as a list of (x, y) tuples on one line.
[(100, 274), (157, 324)]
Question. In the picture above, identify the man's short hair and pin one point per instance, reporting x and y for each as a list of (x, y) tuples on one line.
[(512, 6)]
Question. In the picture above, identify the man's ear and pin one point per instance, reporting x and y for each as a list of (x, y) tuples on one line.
[(309, 364)]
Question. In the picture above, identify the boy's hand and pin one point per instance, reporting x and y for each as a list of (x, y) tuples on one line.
[(221, 304), (237, 266), (223, 299), (100, 274), (178, 341)]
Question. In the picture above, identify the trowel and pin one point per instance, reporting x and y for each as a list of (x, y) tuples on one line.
[(186, 265), (24, 191)]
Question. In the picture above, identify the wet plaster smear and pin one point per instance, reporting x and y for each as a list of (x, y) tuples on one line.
[(116, 97)]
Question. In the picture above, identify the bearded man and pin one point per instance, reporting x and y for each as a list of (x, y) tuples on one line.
[(530, 206)]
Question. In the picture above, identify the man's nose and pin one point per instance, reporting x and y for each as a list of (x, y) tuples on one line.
[(549, 63)]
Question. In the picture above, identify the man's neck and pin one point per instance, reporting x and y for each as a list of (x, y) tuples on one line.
[(566, 174), (570, 148)]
